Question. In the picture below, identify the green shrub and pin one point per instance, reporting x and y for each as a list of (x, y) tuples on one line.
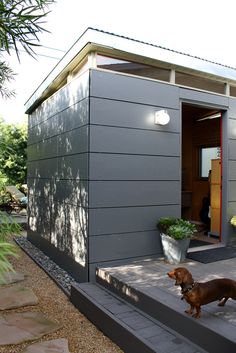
[(164, 223), (176, 228), (8, 227)]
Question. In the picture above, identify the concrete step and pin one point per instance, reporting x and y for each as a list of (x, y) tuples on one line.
[(213, 333), (131, 329)]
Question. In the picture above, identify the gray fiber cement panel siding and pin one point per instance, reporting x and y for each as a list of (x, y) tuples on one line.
[(114, 167), (133, 193), (68, 96), (108, 139), (123, 246), (204, 98), (133, 89), (134, 166), (108, 112), (58, 153), (230, 142), (113, 220)]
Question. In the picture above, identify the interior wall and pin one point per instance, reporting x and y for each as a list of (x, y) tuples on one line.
[(195, 134)]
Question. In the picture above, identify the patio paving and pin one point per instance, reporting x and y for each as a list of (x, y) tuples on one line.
[(11, 277), (16, 297), (52, 346), (151, 275), (16, 328), (146, 285)]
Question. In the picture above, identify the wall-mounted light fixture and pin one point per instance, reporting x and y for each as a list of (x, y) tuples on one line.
[(161, 117)]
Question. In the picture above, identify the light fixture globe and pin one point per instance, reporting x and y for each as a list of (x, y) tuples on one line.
[(161, 117)]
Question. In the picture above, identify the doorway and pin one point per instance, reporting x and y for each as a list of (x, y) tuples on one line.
[(201, 168)]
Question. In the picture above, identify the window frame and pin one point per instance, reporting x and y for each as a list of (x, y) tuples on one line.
[(200, 176)]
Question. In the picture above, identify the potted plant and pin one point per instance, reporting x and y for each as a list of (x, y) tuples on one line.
[(175, 237)]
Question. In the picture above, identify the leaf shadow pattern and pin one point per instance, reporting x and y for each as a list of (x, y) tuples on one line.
[(58, 172)]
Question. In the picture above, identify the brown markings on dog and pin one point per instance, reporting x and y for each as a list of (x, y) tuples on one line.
[(197, 294)]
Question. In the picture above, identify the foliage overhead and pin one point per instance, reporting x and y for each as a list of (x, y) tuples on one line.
[(13, 144), (6, 75), (21, 22)]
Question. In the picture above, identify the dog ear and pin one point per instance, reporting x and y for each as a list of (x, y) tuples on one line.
[(178, 277), (178, 281), (182, 275), (188, 278)]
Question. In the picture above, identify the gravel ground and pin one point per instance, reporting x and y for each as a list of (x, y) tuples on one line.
[(82, 335)]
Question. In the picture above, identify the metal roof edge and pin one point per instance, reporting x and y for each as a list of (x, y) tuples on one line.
[(135, 47)]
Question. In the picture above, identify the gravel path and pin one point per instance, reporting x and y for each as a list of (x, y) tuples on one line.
[(82, 335)]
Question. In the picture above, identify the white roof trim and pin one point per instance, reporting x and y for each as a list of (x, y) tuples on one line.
[(135, 47)]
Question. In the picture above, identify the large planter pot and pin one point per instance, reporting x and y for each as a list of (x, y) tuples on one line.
[(175, 251)]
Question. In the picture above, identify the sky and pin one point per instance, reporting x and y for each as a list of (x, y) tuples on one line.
[(205, 28)]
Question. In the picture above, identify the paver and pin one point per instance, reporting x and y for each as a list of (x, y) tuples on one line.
[(52, 346), (16, 328), (16, 297), (11, 277)]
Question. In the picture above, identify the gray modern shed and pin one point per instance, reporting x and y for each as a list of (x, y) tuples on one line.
[(101, 170)]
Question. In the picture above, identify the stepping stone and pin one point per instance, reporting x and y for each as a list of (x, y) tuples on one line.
[(17, 328), (11, 277), (53, 346), (16, 297)]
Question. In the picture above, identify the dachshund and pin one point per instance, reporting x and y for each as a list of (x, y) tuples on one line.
[(197, 294)]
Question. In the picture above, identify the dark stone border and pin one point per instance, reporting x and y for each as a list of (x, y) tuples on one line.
[(62, 278)]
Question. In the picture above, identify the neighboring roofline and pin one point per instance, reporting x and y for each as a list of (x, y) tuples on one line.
[(93, 38)]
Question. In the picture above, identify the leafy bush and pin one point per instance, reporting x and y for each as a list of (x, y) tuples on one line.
[(233, 221), (4, 196), (13, 144), (164, 223), (176, 228), (7, 228)]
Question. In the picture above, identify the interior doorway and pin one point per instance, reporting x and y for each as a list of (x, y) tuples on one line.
[(201, 168)]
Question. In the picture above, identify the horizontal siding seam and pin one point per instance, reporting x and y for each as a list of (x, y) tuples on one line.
[(133, 206), (135, 154), (154, 254), (134, 102), (57, 113), (53, 136), (122, 233), (135, 128), (57, 156), (133, 180)]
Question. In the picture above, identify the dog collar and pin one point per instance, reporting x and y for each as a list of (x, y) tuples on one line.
[(188, 288)]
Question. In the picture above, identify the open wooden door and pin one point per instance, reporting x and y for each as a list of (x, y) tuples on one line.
[(215, 197)]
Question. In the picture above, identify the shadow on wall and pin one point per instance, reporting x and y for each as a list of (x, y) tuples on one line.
[(58, 169)]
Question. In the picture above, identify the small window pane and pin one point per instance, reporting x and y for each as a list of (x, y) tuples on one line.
[(207, 154), (132, 68)]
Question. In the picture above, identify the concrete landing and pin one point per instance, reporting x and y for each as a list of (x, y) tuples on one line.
[(146, 285), (130, 328)]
